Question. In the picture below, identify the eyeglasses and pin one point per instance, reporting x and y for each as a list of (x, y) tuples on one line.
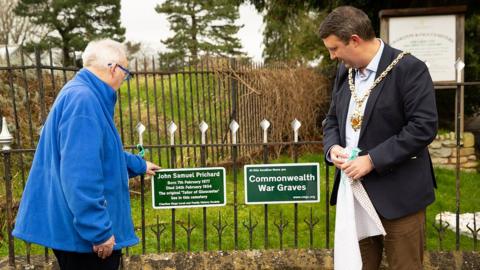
[(128, 75)]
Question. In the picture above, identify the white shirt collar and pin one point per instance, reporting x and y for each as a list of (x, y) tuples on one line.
[(373, 65)]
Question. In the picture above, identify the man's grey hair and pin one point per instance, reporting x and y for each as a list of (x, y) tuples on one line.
[(101, 53)]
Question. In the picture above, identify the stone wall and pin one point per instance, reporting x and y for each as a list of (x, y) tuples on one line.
[(444, 154), (260, 259)]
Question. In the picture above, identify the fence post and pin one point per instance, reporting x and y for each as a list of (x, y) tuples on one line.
[(295, 126), (140, 130), (234, 128), (5, 140), (234, 92), (327, 198), (459, 65), (172, 127), (327, 205), (203, 129), (265, 125)]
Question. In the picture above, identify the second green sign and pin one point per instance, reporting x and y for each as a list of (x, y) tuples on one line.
[(282, 183)]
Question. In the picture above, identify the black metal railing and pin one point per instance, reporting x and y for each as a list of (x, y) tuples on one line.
[(217, 91)]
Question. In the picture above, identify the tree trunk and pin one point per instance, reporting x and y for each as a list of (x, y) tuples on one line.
[(193, 32)]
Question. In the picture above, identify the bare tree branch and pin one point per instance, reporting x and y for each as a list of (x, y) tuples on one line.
[(16, 30)]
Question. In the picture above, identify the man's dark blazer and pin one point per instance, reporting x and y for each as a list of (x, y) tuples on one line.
[(400, 121)]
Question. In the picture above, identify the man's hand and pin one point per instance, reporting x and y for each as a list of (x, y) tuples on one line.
[(338, 156), (152, 168), (358, 167), (105, 249)]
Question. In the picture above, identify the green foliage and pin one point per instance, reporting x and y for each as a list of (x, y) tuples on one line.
[(290, 30), (72, 24), (288, 36), (472, 59), (201, 27)]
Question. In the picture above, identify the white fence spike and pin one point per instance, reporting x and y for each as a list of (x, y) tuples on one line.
[(265, 125), (171, 129), (5, 137), (234, 128), (459, 65), (140, 128), (203, 128), (295, 126)]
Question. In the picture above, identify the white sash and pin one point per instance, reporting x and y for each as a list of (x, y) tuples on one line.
[(355, 220)]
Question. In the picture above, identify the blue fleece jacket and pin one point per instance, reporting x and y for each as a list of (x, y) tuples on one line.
[(77, 190)]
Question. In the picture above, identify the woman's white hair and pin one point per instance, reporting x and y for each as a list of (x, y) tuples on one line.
[(101, 53)]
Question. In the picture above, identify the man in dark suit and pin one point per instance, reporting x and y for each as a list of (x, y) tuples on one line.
[(383, 102)]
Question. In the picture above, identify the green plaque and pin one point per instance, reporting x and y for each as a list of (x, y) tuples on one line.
[(282, 183), (187, 188)]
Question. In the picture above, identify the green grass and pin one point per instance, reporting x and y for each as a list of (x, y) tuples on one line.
[(445, 201)]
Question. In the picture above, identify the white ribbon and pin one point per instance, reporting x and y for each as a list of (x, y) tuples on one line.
[(355, 220)]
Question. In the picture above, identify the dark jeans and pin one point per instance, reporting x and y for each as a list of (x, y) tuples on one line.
[(87, 261)]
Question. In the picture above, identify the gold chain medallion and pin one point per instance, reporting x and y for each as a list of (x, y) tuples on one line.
[(356, 118)]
